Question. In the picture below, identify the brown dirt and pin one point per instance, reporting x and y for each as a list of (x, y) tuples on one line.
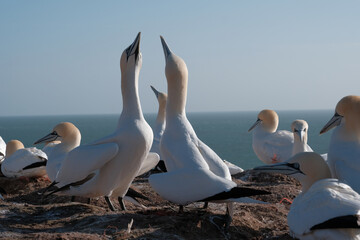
[(26, 214)]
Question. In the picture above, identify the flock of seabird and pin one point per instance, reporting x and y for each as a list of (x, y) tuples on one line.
[(328, 206)]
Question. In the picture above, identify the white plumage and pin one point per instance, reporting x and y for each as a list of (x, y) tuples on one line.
[(23, 162), (344, 148)]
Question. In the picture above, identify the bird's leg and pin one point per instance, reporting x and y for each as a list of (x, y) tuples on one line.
[(88, 201), (274, 159), (111, 206), (206, 204), (72, 198), (181, 209), (121, 202)]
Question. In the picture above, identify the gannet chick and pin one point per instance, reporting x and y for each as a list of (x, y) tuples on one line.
[(111, 163), (344, 147), (2, 149), (23, 162), (269, 144), (326, 208), (67, 136), (195, 171)]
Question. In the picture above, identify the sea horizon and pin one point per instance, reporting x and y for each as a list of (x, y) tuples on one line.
[(226, 132)]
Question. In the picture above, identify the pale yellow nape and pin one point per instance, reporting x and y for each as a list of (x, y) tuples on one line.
[(270, 119), (12, 146)]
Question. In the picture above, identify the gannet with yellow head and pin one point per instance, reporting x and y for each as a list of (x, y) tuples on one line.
[(326, 208), (111, 163), (344, 148), (195, 171), (269, 144), (23, 162)]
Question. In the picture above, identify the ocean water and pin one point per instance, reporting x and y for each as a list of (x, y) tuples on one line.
[(225, 132)]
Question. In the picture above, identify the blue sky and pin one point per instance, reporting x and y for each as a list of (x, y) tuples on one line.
[(62, 57)]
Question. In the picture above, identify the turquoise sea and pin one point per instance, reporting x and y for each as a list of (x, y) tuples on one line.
[(225, 132)]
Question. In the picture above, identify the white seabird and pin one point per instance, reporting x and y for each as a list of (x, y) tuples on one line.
[(269, 144), (23, 162), (326, 208), (344, 148), (2, 149), (69, 137), (111, 163), (159, 127), (64, 137), (195, 171), (300, 129)]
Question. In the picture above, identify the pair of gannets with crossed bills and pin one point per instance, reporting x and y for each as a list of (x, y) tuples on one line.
[(326, 208), (271, 145), (23, 162), (195, 171), (109, 165), (344, 148), (159, 129)]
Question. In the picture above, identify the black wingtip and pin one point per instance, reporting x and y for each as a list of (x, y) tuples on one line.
[(36, 165), (348, 221), (236, 192), (135, 194)]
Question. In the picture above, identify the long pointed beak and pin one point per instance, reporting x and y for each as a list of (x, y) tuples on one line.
[(258, 121), (134, 48), (166, 48), (301, 134), (333, 122), (48, 138), (282, 168), (155, 91)]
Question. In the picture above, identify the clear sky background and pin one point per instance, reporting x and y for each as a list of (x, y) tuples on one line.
[(62, 57)]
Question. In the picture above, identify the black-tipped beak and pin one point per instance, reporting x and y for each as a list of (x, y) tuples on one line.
[(155, 91), (166, 48), (48, 138), (258, 121), (333, 122), (134, 48), (283, 168)]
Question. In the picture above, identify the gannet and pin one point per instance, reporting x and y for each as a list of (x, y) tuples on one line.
[(159, 131), (111, 163), (2, 149), (195, 171), (64, 137), (300, 129), (160, 121), (68, 137), (23, 162), (159, 127), (344, 147), (326, 208), (271, 145)]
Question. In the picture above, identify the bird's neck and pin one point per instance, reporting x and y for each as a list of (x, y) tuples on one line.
[(177, 94), (161, 113), (130, 95)]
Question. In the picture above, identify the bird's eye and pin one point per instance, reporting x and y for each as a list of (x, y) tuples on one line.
[(304, 129), (296, 165), (295, 130)]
